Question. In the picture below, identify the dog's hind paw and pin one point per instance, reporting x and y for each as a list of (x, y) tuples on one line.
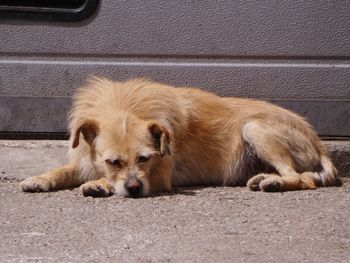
[(272, 184), (254, 182)]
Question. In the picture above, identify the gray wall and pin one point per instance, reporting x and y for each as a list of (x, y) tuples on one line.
[(296, 53)]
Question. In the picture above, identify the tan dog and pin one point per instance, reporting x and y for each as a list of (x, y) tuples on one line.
[(139, 137)]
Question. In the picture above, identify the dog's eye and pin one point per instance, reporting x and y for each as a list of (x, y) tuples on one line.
[(115, 162), (143, 159)]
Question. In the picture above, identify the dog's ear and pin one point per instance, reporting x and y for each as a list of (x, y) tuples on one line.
[(161, 137), (89, 129)]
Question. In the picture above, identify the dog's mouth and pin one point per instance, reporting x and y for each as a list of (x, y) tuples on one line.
[(135, 196)]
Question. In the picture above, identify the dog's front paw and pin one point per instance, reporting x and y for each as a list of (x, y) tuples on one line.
[(95, 189), (35, 184)]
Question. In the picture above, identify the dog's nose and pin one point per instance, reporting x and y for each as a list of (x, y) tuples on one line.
[(134, 187)]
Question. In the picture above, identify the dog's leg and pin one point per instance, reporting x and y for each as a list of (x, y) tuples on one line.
[(97, 188), (60, 178), (276, 183), (302, 181), (273, 149)]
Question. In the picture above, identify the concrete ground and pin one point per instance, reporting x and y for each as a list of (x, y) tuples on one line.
[(220, 224)]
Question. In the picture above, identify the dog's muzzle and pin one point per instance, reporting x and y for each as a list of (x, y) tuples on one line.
[(134, 187)]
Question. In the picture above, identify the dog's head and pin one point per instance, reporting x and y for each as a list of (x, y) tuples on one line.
[(125, 150)]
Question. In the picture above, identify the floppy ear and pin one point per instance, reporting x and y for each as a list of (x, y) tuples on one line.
[(89, 129), (161, 137)]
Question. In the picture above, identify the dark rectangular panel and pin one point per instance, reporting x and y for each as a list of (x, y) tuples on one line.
[(47, 10), (41, 114)]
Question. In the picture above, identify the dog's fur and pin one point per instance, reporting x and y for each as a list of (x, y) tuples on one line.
[(148, 136)]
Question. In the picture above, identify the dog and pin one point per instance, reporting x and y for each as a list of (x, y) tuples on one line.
[(140, 137)]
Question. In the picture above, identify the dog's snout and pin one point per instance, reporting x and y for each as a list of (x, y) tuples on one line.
[(134, 187)]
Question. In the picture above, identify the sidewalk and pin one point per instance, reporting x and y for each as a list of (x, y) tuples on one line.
[(20, 159), (221, 224)]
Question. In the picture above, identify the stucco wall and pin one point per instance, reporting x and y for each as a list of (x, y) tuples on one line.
[(281, 50)]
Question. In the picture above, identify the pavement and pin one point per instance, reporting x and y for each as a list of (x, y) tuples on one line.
[(220, 224)]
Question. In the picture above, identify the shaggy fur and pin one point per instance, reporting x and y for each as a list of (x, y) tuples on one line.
[(139, 137)]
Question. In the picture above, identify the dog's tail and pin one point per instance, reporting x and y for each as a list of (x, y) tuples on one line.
[(327, 174)]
